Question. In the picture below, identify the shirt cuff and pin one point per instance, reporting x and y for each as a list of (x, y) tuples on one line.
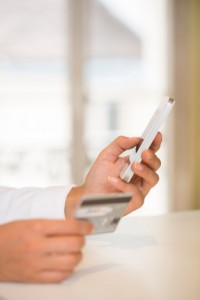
[(50, 202)]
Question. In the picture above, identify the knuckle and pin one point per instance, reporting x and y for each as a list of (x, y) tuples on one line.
[(74, 260), (64, 276), (133, 205), (79, 257), (37, 226), (119, 138), (156, 179), (78, 243), (141, 200), (159, 163), (82, 241)]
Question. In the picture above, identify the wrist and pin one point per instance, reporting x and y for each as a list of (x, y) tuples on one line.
[(73, 199)]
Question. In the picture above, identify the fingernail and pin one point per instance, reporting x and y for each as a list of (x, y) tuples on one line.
[(138, 166), (112, 179)]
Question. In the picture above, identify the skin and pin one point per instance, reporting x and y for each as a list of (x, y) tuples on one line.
[(103, 176), (45, 251)]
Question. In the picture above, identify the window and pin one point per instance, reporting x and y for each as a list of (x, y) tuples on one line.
[(35, 119), (73, 76), (126, 77)]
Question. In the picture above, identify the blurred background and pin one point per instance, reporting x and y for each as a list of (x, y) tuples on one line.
[(75, 74)]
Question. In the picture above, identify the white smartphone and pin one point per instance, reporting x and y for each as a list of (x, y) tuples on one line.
[(147, 137), (104, 211)]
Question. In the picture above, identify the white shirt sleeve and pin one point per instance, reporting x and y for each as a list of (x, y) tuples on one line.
[(29, 203)]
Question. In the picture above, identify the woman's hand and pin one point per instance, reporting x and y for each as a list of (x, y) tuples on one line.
[(41, 250), (103, 176)]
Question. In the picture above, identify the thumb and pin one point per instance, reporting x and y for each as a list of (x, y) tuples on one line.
[(118, 146)]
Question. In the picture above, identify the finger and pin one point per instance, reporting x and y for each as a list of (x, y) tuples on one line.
[(151, 160), (52, 276), (138, 198), (63, 245), (155, 146), (64, 227), (150, 178), (62, 262), (118, 146)]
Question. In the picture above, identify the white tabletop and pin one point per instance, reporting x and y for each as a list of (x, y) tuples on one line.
[(147, 258)]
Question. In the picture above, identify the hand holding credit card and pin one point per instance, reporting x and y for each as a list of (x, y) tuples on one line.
[(104, 211)]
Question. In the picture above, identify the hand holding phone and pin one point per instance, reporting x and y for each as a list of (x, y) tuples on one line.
[(147, 137)]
